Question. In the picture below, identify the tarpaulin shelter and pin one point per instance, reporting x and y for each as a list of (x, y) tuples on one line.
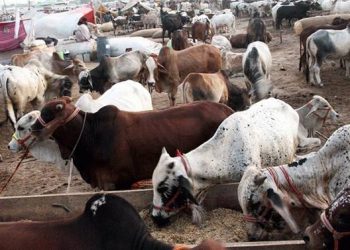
[(136, 4), (7, 35), (61, 25)]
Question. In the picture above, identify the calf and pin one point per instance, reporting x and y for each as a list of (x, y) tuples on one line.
[(179, 40), (214, 87), (174, 66), (324, 44), (107, 222), (185, 179), (32, 83), (170, 22), (109, 151), (257, 63), (312, 182), (297, 11), (224, 20), (332, 230)]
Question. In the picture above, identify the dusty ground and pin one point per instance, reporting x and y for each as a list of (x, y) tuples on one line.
[(34, 177)]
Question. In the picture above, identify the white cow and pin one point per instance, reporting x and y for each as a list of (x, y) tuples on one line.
[(263, 8), (32, 83), (313, 116), (221, 43), (340, 7), (224, 20), (311, 182), (264, 135), (257, 63), (325, 44), (127, 95)]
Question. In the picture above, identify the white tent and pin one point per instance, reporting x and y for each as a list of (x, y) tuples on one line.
[(138, 4)]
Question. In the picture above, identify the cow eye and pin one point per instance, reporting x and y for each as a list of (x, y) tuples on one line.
[(162, 189), (20, 128)]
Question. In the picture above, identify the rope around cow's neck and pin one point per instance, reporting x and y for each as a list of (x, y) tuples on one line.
[(71, 154)]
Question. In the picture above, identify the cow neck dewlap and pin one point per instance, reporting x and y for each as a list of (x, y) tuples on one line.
[(308, 178)]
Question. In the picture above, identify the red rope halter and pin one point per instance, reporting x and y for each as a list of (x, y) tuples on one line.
[(167, 205), (336, 235)]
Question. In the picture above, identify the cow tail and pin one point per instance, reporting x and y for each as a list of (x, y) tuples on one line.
[(9, 106), (307, 69)]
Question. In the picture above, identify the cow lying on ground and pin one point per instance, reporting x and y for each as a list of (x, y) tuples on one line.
[(214, 87), (117, 148), (108, 222), (332, 230), (174, 66), (112, 70), (127, 96), (240, 40), (324, 44), (186, 178), (221, 42), (232, 62), (32, 83), (257, 63), (52, 62), (312, 182)]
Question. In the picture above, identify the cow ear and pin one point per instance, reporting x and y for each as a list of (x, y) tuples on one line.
[(259, 179), (277, 204), (313, 109), (164, 151), (56, 56), (186, 189)]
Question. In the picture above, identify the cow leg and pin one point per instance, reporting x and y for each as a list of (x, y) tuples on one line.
[(347, 66), (172, 98), (163, 34)]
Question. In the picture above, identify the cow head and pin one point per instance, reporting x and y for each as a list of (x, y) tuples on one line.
[(172, 188), (23, 131), (262, 89), (336, 216), (151, 65), (258, 195), (321, 108), (85, 81), (53, 115)]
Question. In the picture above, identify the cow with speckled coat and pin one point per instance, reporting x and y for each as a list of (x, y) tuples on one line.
[(311, 182)]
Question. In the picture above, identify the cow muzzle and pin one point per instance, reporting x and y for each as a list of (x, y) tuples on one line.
[(160, 221)]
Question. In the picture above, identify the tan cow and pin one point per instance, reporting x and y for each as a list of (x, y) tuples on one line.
[(52, 62), (214, 87), (174, 66)]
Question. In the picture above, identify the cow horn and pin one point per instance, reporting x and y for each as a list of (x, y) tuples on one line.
[(259, 179), (69, 66), (162, 67)]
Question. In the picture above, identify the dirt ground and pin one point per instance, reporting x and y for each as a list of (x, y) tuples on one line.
[(34, 177)]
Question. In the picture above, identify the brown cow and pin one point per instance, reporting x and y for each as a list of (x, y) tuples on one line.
[(52, 62), (214, 87), (201, 31), (239, 41), (108, 222), (179, 40), (256, 30), (174, 66), (118, 148)]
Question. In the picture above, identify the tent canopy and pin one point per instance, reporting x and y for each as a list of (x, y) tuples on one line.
[(137, 4)]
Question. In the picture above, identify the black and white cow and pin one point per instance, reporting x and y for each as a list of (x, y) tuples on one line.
[(325, 44), (111, 70), (311, 182), (257, 63)]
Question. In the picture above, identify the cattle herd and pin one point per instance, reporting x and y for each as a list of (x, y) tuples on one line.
[(222, 133)]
